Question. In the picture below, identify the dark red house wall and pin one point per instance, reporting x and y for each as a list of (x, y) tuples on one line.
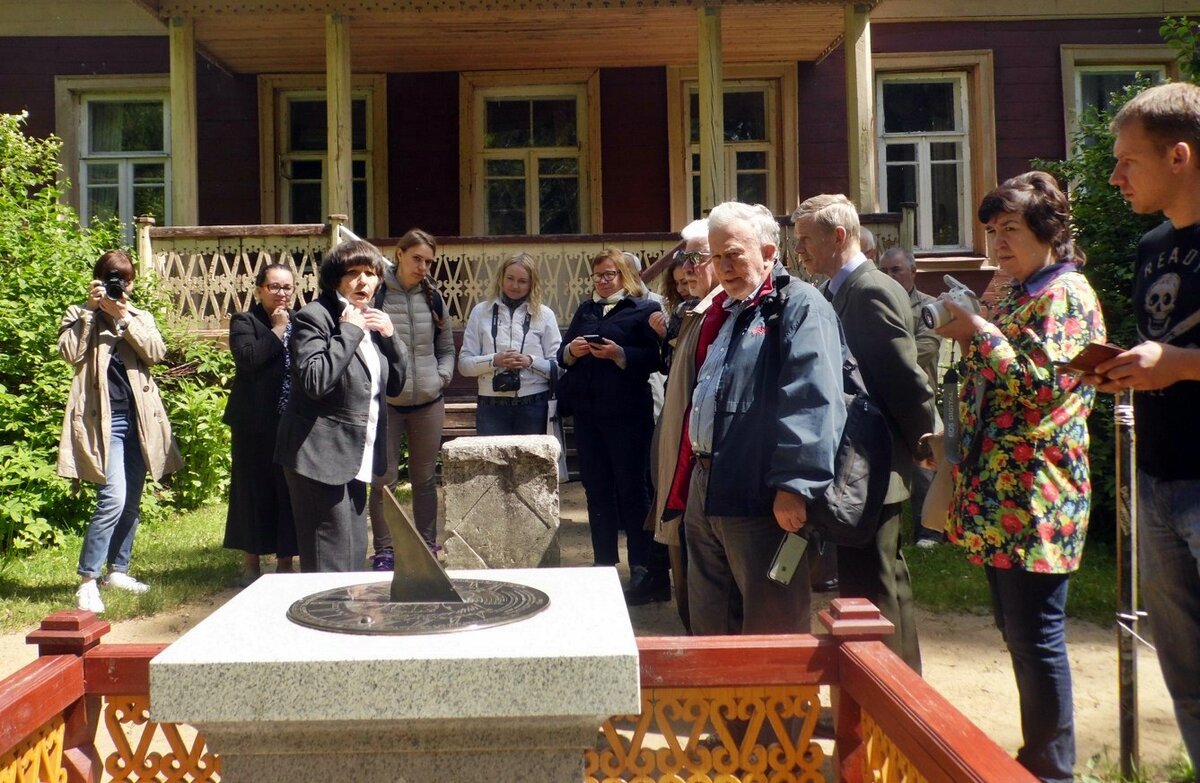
[(227, 129), (1028, 87), (423, 153), (633, 149)]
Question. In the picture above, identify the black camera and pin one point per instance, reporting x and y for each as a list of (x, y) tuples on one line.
[(114, 286), (506, 381)]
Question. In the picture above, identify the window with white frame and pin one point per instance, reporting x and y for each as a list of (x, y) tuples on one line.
[(531, 170), (924, 154), (751, 143), (124, 159), (301, 150), (1096, 84)]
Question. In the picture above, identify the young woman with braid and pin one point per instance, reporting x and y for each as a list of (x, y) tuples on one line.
[(417, 310)]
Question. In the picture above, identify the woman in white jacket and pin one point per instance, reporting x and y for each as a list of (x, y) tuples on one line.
[(510, 346)]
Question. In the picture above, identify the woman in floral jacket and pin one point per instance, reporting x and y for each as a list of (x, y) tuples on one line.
[(1022, 489)]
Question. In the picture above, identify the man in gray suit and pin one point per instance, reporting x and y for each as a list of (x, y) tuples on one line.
[(899, 264), (877, 321)]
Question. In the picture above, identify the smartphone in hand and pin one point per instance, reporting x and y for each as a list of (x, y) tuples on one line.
[(594, 339), (787, 558)]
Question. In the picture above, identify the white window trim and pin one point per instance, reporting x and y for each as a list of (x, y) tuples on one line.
[(125, 184), (70, 96), (923, 163), (770, 89), (474, 86), (784, 180), (978, 65), (1073, 58), (270, 124)]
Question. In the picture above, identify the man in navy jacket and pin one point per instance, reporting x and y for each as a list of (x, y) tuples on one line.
[(767, 412)]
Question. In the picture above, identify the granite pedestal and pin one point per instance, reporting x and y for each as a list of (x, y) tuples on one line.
[(281, 702)]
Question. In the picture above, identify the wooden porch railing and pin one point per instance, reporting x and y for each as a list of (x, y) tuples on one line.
[(209, 271), (745, 708)]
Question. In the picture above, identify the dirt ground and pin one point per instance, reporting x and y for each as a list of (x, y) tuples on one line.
[(963, 659)]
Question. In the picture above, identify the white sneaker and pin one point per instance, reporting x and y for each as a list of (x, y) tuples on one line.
[(87, 597), (123, 581)]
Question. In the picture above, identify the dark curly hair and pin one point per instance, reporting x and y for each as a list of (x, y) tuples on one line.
[(1036, 197)]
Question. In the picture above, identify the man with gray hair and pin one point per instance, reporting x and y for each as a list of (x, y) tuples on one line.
[(877, 320), (899, 264), (866, 241), (766, 416)]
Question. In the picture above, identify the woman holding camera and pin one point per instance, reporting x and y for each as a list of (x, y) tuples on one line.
[(115, 427), (609, 351), (510, 345), (259, 521), (1022, 488)]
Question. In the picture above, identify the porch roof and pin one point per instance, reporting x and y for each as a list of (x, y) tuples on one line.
[(404, 36)]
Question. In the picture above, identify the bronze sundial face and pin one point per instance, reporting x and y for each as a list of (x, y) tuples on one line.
[(368, 609), (420, 598)]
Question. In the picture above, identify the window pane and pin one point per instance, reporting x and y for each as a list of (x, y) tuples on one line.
[(558, 166), (358, 124), (902, 188), (947, 151), (694, 114), (917, 107), (505, 206), (358, 197), (102, 173), (358, 169), (745, 116), (307, 169), (125, 126), (751, 160), (306, 203), (695, 163), (696, 196), (507, 124), (901, 152), (554, 123), (103, 203), (505, 168), (147, 173), (1096, 88), (306, 130), (945, 199), (558, 206), (150, 200), (752, 188)]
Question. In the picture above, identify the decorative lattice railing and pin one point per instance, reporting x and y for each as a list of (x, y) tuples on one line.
[(731, 709)]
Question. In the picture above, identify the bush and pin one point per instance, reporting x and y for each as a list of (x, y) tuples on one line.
[(46, 259)]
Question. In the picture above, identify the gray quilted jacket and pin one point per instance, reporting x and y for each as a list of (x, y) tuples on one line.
[(430, 357)]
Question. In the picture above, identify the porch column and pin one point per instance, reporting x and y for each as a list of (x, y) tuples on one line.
[(339, 139), (860, 108), (712, 110), (185, 210)]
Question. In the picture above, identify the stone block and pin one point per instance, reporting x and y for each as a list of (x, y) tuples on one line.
[(500, 501)]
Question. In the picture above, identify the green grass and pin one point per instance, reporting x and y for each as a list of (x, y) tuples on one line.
[(1105, 768), (944, 582), (181, 559)]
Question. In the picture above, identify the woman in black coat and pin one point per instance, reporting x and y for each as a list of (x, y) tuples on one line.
[(610, 350), (259, 521), (346, 358)]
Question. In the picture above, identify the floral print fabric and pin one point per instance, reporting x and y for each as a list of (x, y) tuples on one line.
[(1023, 503)]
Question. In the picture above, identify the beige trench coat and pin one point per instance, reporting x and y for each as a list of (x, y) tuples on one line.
[(86, 340)]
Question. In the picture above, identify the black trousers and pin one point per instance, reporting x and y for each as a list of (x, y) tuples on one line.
[(614, 464), (879, 573), (331, 523)]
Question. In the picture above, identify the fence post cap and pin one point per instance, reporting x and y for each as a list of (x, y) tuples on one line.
[(338, 218), (144, 220), (68, 632), (855, 618)]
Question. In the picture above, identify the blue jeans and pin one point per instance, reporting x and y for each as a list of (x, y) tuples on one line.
[(109, 536), (511, 419), (1169, 563), (1030, 611)]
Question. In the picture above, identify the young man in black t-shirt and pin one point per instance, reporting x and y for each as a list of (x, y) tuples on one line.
[(1158, 170)]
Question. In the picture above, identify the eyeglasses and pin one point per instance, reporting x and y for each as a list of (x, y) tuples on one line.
[(605, 277), (280, 288), (695, 258)]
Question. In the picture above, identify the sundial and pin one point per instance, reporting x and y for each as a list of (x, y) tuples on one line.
[(421, 599)]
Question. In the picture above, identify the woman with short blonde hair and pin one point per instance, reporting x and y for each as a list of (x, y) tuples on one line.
[(509, 346)]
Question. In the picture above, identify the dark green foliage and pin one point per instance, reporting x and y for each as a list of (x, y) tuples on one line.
[(1183, 35), (46, 259)]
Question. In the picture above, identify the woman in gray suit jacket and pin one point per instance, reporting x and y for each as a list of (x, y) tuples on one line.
[(345, 359)]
